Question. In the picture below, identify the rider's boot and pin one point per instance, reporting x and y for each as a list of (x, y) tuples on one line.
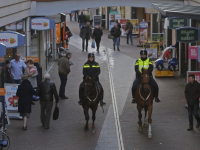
[(102, 103), (80, 102), (133, 100), (157, 100)]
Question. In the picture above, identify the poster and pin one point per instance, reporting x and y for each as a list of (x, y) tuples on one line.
[(97, 20), (196, 73), (193, 52), (112, 18), (10, 96), (153, 51), (159, 37), (134, 23), (143, 35)]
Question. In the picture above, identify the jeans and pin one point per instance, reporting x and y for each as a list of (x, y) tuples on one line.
[(83, 43), (129, 34), (97, 42), (116, 41), (192, 110), (45, 115), (152, 82), (16, 81), (81, 90), (81, 24), (63, 79)]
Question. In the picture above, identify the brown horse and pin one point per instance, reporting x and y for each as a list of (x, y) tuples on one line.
[(91, 100), (144, 97)]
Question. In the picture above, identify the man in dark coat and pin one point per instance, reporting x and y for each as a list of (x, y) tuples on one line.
[(81, 20), (116, 32), (25, 93), (47, 90), (97, 34), (129, 29), (192, 94), (85, 34)]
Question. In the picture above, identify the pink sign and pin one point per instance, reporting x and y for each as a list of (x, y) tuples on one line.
[(193, 52), (196, 73)]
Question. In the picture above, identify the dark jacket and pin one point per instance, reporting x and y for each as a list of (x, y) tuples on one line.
[(119, 25), (116, 32), (63, 66), (8, 79), (82, 18), (91, 69), (25, 93), (129, 26), (138, 73), (46, 91), (83, 33), (192, 93), (97, 33)]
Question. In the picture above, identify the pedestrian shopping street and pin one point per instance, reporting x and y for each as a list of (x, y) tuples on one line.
[(169, 118)]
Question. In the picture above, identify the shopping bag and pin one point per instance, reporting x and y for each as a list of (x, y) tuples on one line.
[(56, 113), (93, 44), (110, 36)]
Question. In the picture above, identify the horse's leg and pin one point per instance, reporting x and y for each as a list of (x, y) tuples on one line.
[(86, 108), (150, 108), (145, 118), (93, 118), (140, 119)]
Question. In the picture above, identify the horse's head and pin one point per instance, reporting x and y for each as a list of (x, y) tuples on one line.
[(89, 86), (145, 80)]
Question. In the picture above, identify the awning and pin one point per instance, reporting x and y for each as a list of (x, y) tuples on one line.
[(177, 10)]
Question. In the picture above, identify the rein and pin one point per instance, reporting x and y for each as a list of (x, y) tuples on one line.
[(96, 95), (143, 97)]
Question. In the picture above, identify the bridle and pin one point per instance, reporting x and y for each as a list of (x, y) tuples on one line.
[(96, 95), (142, 87)]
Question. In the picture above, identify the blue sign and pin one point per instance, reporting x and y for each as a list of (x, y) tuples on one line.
[(2, 50), (12, 39), (143, 24), (198, 53), (42, 23)]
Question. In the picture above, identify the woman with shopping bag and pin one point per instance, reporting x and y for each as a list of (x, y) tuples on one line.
[(97, 34)]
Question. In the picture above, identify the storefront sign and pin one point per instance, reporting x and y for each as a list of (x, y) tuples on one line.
[(2, 50), (42, 23), (150, 11), (97, 20), (15, 26), (143, 24), (10, 96), (193, 52), (11, 39), (2, 91), (34, 59), (196, 73), (177, 22), (187, 35), (112, 18)]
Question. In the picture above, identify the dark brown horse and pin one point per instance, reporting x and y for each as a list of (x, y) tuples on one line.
[(91, 100), (144, 97)]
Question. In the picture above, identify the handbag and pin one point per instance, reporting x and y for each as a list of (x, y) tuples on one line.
[(56, 113), (93, 44), (110, 36)]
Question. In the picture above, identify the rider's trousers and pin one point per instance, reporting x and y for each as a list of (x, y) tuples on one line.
[(152, 82)]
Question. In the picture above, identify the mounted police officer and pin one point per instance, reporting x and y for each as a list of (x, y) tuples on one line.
[(91, 69), (145, 63)]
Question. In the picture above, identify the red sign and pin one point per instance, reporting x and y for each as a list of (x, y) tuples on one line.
[(196, 73), (193, 52)]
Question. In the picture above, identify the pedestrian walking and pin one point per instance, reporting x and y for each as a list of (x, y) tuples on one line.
[(17, 65), (129, 29), (32, 73), (8, 72), (192, 94), (25, 93), (119, 26), (63, 71), (116, 32), (85, 34), (70, 16), (97, 34), (47, 90), (81, 20)]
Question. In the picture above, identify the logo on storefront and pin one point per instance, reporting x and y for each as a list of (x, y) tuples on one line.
[(45, 24), (42, 23), (4, 40), (12, 40)]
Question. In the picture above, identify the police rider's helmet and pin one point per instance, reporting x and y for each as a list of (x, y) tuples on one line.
[(91, 55), (143, 52)]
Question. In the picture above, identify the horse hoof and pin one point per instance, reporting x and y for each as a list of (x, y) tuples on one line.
[(145, 125), (149, 136), (93, 131), (140, 130)]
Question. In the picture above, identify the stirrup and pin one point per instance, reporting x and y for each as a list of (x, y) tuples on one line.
[(157, 100), (133, 100), (102, 103)]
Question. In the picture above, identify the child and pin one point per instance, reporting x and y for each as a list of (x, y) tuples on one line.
[(30, 68)]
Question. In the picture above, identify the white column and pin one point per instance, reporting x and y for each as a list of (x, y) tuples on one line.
[(179, 63), (151, 26), (28, 36)]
